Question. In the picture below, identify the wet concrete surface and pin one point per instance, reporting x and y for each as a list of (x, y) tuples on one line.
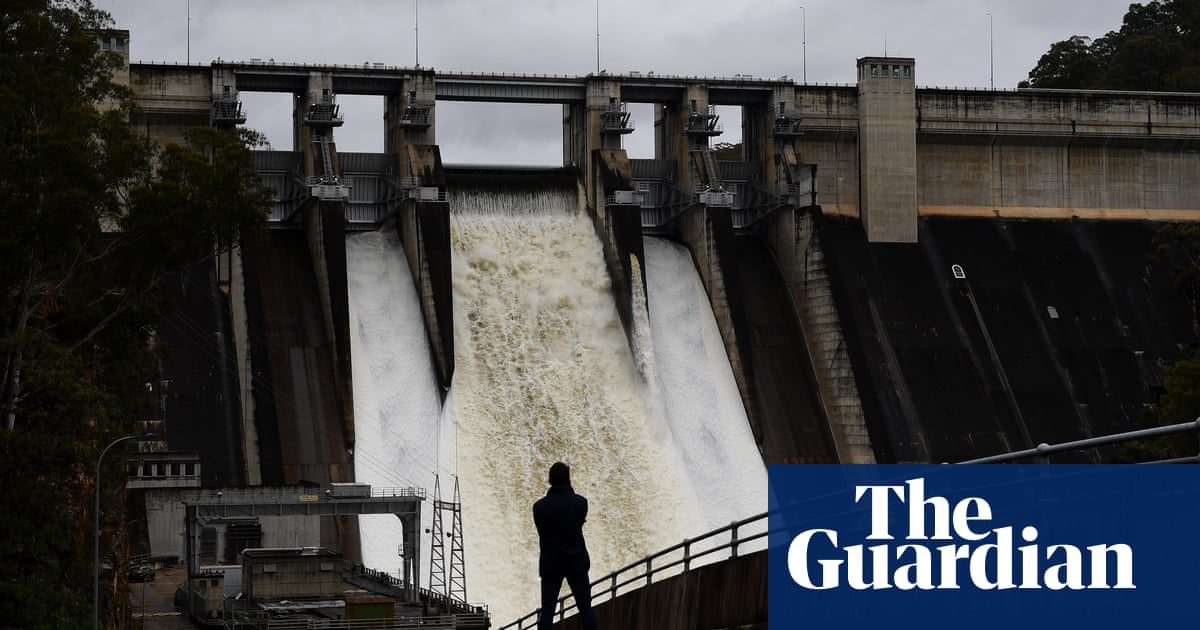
[(297, 411), (153, 603), (795, 429), (988, 336), (199, 395)]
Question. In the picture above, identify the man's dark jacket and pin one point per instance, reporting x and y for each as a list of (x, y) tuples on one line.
[(559, 518)]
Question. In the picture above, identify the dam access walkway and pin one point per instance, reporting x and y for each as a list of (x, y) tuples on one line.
[(716, 580)]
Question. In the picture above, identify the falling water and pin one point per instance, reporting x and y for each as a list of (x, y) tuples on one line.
[(658, 442), (698, 390), (396, 402)]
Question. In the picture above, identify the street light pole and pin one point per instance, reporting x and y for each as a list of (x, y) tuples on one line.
[(804, 44), (597, 36), (96, 558), (991, 55)]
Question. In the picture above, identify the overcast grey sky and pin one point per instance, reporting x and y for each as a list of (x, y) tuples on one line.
[(955, 43)]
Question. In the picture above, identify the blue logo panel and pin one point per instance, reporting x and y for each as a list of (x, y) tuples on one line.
[(984, 546)]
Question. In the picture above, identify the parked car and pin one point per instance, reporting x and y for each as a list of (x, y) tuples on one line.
[(141, 573)]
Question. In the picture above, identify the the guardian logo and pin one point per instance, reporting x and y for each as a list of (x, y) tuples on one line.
[(949, 546)]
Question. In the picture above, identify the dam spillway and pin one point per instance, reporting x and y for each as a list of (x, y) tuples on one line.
[(544, 372), (396, 402), (849, 341)]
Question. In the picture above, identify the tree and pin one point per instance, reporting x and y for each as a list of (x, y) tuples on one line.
[(1178, 246), (1180, 403), (731, 152), (1156, 49), (84, 205), (1068, 64), (93, 218)]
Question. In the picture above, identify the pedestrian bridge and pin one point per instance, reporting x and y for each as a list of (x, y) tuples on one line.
[(717, 580)]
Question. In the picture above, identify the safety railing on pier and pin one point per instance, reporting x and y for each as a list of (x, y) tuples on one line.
[(452, 606), (738, 538), (266, 622), (266, 494), (451, 614)]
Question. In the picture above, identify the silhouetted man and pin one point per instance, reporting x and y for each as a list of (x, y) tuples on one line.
[(559, 517)]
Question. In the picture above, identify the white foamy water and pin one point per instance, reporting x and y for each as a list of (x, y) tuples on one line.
[(396, 401), (659, 443), (698, 390)]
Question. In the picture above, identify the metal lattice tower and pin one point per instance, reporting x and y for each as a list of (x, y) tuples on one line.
[(437, 552), (458, 574)]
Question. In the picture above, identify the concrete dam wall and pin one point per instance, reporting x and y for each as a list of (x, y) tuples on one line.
[(992, 335), (897, 274)]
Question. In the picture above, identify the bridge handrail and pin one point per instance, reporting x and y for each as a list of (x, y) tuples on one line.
[(1044, 449), (272, 64), (1041, 450), (608, 587)]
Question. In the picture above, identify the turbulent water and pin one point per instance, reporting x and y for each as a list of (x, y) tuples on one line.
[(396, 401), (656, 437)]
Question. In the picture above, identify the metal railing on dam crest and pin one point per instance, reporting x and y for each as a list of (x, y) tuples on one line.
[(739, 538), (749, 535)]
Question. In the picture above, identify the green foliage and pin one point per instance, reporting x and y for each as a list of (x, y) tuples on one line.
[(728, 151), (93, 217), (1068, 64), (45, 539), (1157, 49), (1180, 403), (1178, 245)]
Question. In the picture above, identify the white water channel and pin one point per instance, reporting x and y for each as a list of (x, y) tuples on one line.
[(658, 442)]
